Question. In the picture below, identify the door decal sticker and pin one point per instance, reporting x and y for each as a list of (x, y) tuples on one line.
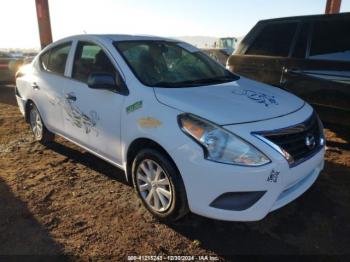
[(149, 122), (258, 97), (80, 119), (135, 106)]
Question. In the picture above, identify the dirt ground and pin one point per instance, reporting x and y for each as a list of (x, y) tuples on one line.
[(62, 200)]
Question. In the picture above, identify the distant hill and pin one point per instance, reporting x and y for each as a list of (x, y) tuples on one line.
[(200, 41), (20, 49)]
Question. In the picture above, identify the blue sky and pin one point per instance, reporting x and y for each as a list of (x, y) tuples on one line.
[(156, 17)]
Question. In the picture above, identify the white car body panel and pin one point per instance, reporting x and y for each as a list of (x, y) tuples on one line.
[(244, 94), (111, 129), (219, 178)]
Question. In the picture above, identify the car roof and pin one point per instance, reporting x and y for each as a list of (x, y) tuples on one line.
[(107, 38), (117, 37), (308, 17)]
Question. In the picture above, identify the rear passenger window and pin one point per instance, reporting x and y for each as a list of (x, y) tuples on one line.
[(44, 59), (331, 40), (54, 60), (90, 58), (274, 40)]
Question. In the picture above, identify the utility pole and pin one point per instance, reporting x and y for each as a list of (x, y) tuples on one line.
[(333, 6), (43, 14)]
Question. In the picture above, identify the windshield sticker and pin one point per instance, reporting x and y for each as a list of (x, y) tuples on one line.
[(188, 47), (149, 122), (134, 107), (258, 97)]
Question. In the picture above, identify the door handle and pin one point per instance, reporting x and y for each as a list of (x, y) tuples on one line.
[(286, 71), (289, 70), (71, 96), (283, 78), (35, 86)]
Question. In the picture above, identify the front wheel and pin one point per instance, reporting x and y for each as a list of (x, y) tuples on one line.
[(39, 130), (159, 185)]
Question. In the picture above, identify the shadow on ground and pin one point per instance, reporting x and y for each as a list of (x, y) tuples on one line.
[(20, 232), (341, 132), (89, 160)]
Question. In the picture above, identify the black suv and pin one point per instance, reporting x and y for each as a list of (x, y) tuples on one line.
[(307, 55)]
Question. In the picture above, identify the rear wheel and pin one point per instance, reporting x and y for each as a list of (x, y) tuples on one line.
[(39, 130), (159, 185)]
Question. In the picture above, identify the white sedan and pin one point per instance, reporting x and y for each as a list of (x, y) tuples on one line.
[(190, 135)]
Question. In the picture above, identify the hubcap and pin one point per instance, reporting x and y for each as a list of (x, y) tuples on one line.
[(154, 185), (35, 123)]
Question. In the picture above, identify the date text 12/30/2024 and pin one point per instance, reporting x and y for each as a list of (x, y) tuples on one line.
[(173, 258)]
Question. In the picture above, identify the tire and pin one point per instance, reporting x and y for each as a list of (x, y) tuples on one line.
[(168, 209), (40, 132)]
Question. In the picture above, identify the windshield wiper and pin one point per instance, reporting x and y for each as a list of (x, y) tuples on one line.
[(208, 80), (196, 82), (165, 84)]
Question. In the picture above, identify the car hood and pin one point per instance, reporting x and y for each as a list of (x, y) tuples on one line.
[(236, 102)]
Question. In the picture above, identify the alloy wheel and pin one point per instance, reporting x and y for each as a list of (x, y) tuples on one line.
[(154, 185), (36, 123)]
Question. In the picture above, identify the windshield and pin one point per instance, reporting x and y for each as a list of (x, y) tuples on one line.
[(171, 64), (227, 43)]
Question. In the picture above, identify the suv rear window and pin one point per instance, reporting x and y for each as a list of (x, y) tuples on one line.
[(301, 43), (331, 40), (274, 40)]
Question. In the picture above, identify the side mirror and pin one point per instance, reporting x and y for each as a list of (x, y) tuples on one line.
[(102, 81)]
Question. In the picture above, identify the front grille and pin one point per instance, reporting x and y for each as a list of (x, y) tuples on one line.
[(300, 141)]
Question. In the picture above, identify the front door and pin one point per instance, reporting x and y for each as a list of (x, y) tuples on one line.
[(93, 116)]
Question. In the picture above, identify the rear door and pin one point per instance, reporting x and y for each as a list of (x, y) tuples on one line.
[(48, 82), (262, 58), (93, 116), (319, 71)]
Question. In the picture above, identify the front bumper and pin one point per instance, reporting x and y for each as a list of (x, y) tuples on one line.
[(205, 181)]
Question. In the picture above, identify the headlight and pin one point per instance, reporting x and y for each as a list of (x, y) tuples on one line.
[(220, 145)]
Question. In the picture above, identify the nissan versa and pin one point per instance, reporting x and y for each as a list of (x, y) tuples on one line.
[(190, 135)]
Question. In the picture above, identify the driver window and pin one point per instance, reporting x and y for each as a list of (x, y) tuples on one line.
[(90, 58)]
